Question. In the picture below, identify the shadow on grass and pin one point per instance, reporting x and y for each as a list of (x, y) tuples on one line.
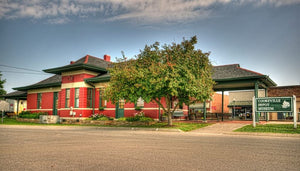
[(182, 126), (271, 128)]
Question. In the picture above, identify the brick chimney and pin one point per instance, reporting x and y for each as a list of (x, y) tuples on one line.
[(72, 62), (107, 58)]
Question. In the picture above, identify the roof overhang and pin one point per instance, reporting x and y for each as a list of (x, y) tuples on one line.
[(243, 83), (38, 86), (73, 67), (100, 79), (16, 95)]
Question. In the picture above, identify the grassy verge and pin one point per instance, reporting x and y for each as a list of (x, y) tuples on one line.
[(182, 126), (271, 128)]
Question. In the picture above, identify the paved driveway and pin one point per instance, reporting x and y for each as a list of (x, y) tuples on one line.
[(91, 148)]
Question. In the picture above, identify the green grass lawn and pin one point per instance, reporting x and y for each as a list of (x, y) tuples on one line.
[(182, 126), (271, 128)]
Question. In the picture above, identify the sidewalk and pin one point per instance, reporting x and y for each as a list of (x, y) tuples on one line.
[(220, 128)]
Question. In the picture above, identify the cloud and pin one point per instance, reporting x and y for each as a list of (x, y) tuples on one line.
[(148, 11)]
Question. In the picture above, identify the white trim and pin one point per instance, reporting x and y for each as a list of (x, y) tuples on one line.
[(44, 90), (39, 109), (83, 71), (75, 85), (76, 109)]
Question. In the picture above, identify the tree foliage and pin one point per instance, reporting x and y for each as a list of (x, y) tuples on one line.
[(176, 72), (2, 91)]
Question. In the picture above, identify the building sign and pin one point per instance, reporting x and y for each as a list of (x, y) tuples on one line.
[(274, 104)]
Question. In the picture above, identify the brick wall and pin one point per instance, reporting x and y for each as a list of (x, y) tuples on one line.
[(284, 91)]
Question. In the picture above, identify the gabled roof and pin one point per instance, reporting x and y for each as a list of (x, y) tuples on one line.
[(233, 77), (49, 82), (16, 95), (232, 71), (87, 62)]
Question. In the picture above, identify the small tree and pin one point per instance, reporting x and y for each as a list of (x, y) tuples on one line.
[(175, 72), (2, 91)]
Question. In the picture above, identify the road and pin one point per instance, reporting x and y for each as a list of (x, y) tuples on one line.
[(90, 148)]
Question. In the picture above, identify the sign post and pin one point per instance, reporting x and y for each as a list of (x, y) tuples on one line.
[(295, 112), (254, 111)]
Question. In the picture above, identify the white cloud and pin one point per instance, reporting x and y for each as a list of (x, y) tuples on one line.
[(157, 11)]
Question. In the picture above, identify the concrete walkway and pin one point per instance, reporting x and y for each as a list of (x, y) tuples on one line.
[(220, 128)]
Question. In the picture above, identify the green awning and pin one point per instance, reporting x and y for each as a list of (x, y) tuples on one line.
[(240, 104)]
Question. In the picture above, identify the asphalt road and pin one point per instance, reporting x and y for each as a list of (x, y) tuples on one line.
[(81, 148)]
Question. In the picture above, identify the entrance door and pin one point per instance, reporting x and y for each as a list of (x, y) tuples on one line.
[(55, 103), (120, 109)]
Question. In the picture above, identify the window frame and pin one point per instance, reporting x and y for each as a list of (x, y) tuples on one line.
[(67, 99), (76, 98), (39, 100), (89, 99)]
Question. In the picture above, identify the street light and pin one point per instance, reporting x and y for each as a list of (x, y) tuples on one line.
[(233, 108)]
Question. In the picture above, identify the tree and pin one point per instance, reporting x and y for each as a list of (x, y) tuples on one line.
[(177, 73), (2, 91)]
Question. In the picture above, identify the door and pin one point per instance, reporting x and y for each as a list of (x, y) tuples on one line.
[(120, 109), (55, 103)]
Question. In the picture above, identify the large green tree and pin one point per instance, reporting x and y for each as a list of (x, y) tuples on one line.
[(2, 91), (177, 73)]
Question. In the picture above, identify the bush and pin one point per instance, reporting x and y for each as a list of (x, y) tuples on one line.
[(29, 115), (100, 117), (139, 117)]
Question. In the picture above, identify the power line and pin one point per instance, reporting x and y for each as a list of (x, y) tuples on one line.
[(25, 72), (26, 69)]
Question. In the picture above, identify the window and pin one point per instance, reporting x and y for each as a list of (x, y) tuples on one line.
[(67, 105), (76, 98), (89, 97), (101, 98), (39, 101)]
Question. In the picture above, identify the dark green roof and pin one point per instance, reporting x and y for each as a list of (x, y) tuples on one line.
[(16, 95), (87, 62), (53, 81), (101, 78), (233, 77)]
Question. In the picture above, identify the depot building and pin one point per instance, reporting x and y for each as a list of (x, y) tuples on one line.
[(78, 87)]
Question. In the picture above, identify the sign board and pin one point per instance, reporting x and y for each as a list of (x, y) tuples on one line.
[(274, 104)]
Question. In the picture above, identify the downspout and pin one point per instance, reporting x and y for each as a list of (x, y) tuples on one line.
[(93, 98)]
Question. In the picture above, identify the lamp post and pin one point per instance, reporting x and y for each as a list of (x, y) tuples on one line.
[(233, 108)]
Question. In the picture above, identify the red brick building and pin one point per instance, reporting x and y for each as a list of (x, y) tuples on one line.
[(285, 91), (76, 90)]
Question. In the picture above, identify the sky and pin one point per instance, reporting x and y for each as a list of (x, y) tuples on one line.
[(260, 35)]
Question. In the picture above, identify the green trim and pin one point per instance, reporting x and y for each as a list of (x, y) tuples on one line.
[(89, 99), (76, 105), (38, 86), (98, 79), (39, 100), (73, 67), (66, 104), (101, 98)]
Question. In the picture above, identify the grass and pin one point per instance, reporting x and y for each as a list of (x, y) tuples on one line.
[(271, 128), (182, 126)]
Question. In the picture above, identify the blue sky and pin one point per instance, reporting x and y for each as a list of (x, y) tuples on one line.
[(260, 35)]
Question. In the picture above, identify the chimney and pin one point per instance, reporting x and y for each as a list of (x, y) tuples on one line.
[(72, 62), (107, 58)]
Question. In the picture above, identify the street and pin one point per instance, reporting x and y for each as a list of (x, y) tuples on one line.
[(91, 148)]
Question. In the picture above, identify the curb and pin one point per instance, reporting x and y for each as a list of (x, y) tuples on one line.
[(139, 129)]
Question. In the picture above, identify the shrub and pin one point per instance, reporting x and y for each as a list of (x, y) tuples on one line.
[(100, 117), (139, 117), (29, 115)]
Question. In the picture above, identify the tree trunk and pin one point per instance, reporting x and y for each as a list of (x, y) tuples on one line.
[(168, 101)]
